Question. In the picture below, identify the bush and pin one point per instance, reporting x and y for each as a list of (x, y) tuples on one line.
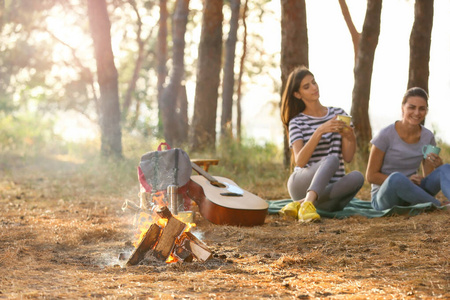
[(26, 133)]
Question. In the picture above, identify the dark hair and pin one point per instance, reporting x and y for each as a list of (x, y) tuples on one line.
[(413, 92), (290, 105)]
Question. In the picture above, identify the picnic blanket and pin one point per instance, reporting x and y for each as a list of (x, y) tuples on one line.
[(360, 207)]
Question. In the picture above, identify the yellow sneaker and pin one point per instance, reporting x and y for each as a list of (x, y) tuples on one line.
[(307, 213), (290, 210)]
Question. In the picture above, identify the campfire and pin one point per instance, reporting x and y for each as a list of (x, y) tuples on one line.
[(164, 232)]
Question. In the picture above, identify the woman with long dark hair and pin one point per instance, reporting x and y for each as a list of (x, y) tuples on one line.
[(320, 145)]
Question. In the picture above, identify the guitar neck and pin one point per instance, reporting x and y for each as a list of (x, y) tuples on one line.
[(202, 172)]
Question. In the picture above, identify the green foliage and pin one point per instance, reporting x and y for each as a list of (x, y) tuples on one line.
[(47, 66), (107, 176), (6, 105), (237, 160), (445, 151), (26, 57), (78, 170), (25, 133), (249, 155), (134, 145), (258, 168)]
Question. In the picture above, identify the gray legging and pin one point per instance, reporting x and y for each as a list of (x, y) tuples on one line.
[(331, 196)]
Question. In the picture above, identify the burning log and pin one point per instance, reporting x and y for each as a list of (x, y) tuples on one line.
[(164, 212), (171, 242), (182, 253), (192, 244), (171, 232), (147, 243)]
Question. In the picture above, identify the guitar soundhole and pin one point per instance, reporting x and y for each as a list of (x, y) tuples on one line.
[(218, 184)]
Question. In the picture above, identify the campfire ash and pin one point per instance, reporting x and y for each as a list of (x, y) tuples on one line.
[(163, 233)]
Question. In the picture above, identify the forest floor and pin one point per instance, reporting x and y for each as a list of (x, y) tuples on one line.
[(59, 239)]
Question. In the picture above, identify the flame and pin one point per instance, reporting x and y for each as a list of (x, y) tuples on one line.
[(146, 218), (188, 226), (144, 222), (162, 222), (158, 198), (171, 259)]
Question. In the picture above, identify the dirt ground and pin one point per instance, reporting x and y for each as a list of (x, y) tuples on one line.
[(61, 241)]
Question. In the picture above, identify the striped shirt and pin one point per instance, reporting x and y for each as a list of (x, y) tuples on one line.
[(302, 127)]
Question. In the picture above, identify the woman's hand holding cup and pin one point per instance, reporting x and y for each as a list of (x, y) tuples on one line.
[(346, 120), (434, 160), (431, 155), (346, 130)]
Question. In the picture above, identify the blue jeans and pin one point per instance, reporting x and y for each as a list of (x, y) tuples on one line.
[(399, 190)]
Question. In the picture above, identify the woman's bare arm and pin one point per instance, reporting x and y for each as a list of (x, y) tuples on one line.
[(348, 143), (373, 173)]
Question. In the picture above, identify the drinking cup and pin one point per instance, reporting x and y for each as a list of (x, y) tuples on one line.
[(346, 119), (430, 149)]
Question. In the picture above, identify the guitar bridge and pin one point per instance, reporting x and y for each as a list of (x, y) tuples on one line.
[(229, 194)]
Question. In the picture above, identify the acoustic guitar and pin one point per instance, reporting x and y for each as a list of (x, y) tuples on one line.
[(223, 202)]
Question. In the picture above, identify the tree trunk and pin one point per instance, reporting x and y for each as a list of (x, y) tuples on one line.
[(228, 71), (169, 97), (182, 120), (241, 72), (141, 54), (351, 26), (203, 135), (363, 76), (162, 56), (111, 135), (132, 84), (137, 109), (419, 44), (294, 47)]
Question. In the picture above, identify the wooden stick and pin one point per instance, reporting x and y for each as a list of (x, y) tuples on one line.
[(164, 212), (196, 247), (182, 254), (171, 232), (147, 243)]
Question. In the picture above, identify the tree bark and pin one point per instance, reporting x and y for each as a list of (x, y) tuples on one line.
[(228, 72), (109, 118), (169, 96), (351, 26), (363, 76), (203, 134), (162, 56), (419, 44), (294, 47), (182, 120), (141, 55), (241, 73)]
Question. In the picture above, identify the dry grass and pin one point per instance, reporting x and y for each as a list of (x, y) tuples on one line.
[(61, 236)]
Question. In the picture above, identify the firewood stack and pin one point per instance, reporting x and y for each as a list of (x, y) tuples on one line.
[(170, 242)]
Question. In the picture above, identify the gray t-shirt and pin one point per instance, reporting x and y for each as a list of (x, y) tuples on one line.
[(400, 156)]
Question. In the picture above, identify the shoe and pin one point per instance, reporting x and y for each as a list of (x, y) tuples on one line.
[(307, 213), (290, 210)]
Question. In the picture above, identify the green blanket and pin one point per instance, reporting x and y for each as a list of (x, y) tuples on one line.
[(360, 207)]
